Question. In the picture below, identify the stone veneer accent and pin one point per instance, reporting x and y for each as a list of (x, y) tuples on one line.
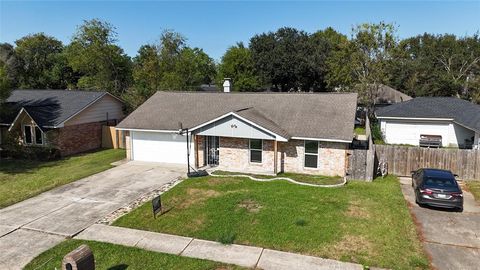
[(78, 138), (235, 156)]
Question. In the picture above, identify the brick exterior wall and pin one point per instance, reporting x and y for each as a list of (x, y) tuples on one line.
[(235, 156), (78, 138), (331, 158)]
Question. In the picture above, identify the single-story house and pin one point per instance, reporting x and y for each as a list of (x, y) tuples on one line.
[(246, 132), (70, 121), (452, 121)]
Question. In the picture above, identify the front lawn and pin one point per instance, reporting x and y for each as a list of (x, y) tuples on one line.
[(110, 256), (474, 188), (22, 179), (367, 223), (306, 178)]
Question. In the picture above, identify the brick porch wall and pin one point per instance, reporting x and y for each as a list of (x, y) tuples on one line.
[(78, 138), (235, 156)]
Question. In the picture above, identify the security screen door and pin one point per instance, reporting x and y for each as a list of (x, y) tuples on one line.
[(211, 150)]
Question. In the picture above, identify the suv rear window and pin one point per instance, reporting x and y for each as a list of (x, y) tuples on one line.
[(440, 182)]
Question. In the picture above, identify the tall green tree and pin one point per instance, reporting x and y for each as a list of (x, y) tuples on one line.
[(168, 65), (41, 62), (279, 57), (237, 64), (437, 65), (363, 63), (99, 63)]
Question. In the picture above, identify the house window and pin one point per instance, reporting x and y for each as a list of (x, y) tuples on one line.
[(38, 136), (311, 154), (27, 134), (256, 150)]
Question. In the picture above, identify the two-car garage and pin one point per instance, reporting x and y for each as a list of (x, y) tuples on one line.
[(160, 147)]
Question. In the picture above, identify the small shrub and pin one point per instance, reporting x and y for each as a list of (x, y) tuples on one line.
[(300, 222), (227, 238)]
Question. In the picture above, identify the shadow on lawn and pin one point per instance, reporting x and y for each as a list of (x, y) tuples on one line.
[(15, 166), (119, 267)]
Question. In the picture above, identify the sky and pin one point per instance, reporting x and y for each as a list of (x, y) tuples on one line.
[(217, 25)]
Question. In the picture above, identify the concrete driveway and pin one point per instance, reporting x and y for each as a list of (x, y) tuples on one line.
[(37, 224), (451, 239)]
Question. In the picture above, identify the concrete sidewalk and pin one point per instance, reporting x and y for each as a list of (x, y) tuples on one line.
[(246, 256)]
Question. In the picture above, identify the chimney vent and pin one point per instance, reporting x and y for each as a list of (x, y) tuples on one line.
[(227, 85)]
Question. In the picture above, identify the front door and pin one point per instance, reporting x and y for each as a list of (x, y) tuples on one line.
[(211, 151)]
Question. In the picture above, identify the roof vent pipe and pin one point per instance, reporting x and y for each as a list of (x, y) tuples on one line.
[(227, 85)]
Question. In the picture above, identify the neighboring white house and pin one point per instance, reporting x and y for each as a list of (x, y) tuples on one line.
[(454, 121)]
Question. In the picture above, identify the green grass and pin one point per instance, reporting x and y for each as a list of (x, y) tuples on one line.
[(367, 223), (109, 256), (360, 131), (474, 188), (306, 178), (22, 179)]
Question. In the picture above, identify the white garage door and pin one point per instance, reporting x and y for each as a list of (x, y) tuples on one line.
[(160, 147)]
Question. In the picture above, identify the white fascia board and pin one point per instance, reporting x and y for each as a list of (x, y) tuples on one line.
[(414, 118), (18, 115), (322, 140), (277, 137), (148, 130)]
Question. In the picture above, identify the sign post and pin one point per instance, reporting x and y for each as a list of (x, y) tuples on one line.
[(156, 206)]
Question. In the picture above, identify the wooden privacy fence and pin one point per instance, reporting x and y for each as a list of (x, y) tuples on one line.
[(113, 138), (402, 160)]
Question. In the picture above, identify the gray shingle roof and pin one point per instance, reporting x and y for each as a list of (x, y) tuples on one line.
[(49, 107), (462, 111), (312, 115)]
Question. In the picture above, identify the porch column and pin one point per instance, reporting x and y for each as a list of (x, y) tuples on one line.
[(275, 157), (195, 147)]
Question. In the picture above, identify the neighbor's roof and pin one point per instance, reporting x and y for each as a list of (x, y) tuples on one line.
[(310, 115), (388, 95), (49, 108), (461, 111)]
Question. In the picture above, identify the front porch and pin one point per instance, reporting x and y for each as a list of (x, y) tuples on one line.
[(272, 157)]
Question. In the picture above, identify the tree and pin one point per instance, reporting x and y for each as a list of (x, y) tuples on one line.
[(364, 61), (437, 65), (10, 63), (40, 62), (325, 43), (237, 64), (5, 84), (168, 65), (280, 58), (98, 62)]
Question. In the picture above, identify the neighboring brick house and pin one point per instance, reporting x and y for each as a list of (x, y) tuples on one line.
[(245, 132), (70, 121)]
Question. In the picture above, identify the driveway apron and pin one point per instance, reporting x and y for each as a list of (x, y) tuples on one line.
[(37, 224)]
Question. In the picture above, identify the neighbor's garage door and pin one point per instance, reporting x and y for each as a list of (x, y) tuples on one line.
[(159, 147)]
